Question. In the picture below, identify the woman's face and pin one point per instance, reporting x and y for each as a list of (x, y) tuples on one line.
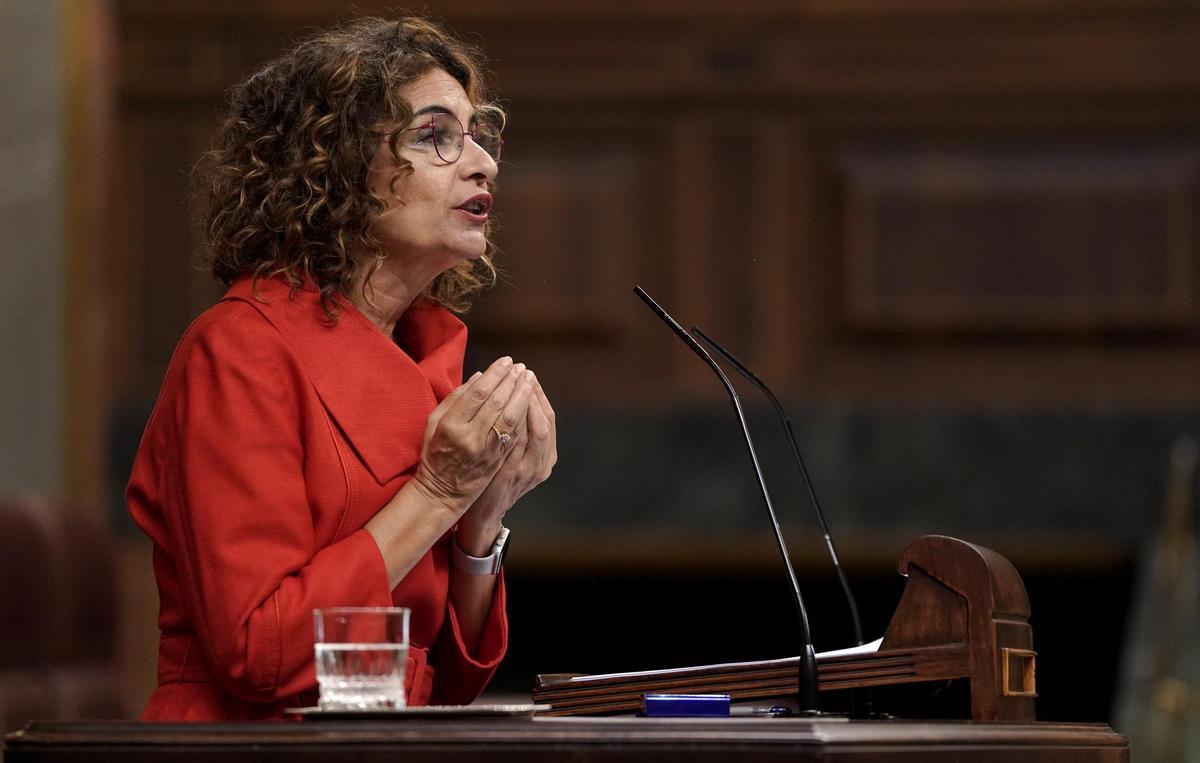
[(436, 215)]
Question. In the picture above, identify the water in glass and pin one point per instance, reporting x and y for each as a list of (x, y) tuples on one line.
[(361, 676)]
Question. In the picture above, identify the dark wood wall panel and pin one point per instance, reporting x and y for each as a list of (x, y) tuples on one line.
[(730, 222), (868, 201), (577, 220), (165, 285), (693, 203), (1004, 238)]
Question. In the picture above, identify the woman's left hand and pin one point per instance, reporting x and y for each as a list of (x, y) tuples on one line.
[(526, 466)]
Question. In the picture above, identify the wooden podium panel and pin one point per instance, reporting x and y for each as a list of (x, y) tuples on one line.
[(576, 739), (964, 614)]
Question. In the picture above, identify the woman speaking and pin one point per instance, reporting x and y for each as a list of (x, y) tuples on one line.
[(313, 444)]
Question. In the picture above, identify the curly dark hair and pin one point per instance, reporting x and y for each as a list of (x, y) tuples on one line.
[(284, 189)]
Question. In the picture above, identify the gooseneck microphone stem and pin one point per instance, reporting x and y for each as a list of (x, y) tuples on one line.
[(808, 659), (812, 493)]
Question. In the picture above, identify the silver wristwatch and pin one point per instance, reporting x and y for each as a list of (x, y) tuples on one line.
[(481, 565)]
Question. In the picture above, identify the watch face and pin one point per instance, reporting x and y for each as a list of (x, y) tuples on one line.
[(500, 550)]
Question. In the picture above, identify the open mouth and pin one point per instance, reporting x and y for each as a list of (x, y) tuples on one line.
[(479, 205)]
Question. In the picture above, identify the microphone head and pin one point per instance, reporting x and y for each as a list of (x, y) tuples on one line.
[(667, 319)]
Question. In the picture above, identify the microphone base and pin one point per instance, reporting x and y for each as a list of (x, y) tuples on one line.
[(819, 714)]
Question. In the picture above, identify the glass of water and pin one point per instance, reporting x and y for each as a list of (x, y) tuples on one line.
[(360, 654)]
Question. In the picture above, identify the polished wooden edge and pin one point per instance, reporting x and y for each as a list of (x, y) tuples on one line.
[(542, 730), (614, 693)]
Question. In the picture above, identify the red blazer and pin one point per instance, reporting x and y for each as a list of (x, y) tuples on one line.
[(276, 436)]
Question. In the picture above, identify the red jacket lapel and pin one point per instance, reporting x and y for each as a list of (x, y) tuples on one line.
[(378, 393)]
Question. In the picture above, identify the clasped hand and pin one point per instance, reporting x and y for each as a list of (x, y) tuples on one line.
[(464, 462)]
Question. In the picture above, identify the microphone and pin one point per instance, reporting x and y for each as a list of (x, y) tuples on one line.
[(808, 658), (868, 702), (812, 493)]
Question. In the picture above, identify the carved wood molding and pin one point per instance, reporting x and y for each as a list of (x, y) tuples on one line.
[(821, 50)]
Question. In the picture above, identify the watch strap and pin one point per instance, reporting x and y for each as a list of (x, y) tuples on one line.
[(481, 565)]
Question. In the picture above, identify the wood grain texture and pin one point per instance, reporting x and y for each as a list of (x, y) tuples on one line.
[(577, 739)]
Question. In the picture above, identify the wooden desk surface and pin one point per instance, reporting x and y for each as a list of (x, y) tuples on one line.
[(579, 739)]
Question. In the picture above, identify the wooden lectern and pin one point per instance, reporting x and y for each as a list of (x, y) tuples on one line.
[(964, 613)]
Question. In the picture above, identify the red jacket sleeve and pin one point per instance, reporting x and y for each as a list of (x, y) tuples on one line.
[(461, 675), (237, 513)]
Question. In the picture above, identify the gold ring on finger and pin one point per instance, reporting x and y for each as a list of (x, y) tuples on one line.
[(504, 437)]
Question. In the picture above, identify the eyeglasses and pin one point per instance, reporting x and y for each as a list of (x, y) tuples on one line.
[(447, 136)]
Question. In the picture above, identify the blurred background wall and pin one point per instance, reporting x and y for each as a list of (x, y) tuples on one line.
[(959, 239), (32, 183)]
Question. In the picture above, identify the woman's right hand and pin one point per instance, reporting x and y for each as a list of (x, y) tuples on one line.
[(461, 454)]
